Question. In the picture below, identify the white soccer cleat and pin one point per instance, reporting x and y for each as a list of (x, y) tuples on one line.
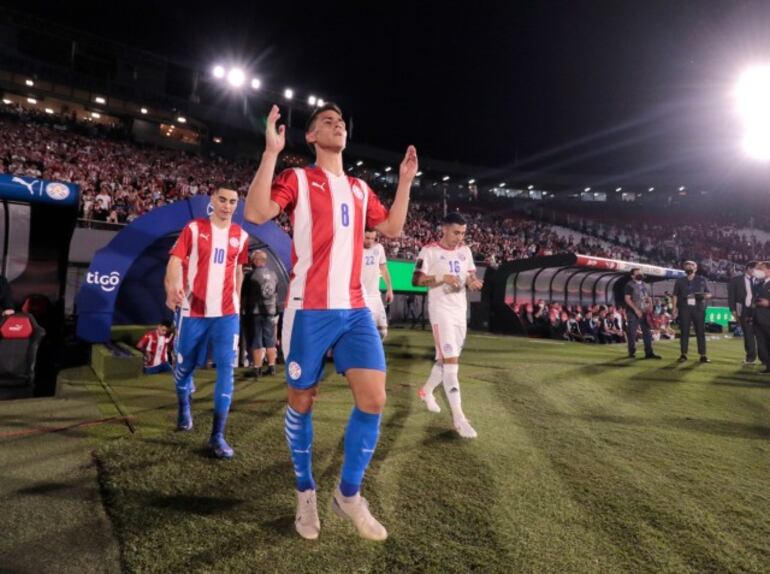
[(464, 428), (356, 509), (307, 523), (429, 400)]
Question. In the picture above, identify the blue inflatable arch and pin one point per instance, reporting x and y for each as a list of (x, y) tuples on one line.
[(124, 283)]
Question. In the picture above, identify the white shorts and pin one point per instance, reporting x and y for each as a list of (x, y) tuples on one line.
[(378, 311), (449, 337)]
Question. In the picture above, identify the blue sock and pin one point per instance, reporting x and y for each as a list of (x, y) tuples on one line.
[(298, 428), (218, 425), (360, 441)]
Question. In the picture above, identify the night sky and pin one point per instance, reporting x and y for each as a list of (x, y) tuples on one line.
[(640, 88)]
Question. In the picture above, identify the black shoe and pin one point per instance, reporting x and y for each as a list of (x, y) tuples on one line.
[(632, 355), (704, 359), (270, 371), (256, 372), (683, 359), (652, 356)]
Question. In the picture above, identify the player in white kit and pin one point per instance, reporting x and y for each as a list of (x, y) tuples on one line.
[(374, 265), (447, 269)]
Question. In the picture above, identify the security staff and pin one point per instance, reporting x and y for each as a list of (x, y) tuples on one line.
[(741, 293), (762, 313), (261, 313), (638, 300), (690, 295)]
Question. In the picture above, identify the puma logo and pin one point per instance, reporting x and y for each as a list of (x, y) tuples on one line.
[(204, 236), (320, 185), (25, 184)]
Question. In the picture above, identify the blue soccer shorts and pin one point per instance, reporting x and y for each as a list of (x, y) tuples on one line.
[(308, 334)]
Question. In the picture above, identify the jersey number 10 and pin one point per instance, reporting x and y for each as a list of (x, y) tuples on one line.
[(219, 255)]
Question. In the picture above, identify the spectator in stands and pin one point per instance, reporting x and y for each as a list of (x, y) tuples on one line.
[(590, 328), (637, 295), (156, 346), (690, 295)]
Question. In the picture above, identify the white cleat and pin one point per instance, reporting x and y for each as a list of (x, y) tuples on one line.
[(307, 524), (356, 509), (429, 400), (464, 428)]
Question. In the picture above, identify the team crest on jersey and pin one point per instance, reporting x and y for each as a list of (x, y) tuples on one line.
[(357, 192), (235, 242), (295, 371), (447, 348), (462, 256)]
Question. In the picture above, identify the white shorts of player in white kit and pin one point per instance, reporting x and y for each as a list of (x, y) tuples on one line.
[(378, 311), (449, 336)]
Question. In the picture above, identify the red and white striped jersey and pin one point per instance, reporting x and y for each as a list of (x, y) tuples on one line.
[(210, 259), (155, 348), (328, 215)]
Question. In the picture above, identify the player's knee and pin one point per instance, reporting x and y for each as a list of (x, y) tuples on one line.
[(373, 402), (301, 400)]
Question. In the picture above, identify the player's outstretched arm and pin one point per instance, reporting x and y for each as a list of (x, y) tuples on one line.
[(259, 208), (173, 283), (394, 224)]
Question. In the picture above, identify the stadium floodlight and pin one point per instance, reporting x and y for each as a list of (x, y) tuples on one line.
[(236, 77), (7, 102), (445, 178), (321, 103), (419, 174), (32, 101), (359, 163), (752, 93), (30, 83), (651, 189), (681, 188), (530, 187), (587, 189), (502, 184), (144, 110), (618, 189), (471, 181), (218, 72), (387, 169), (312, 100), (288, 93), (96, 115), (256, 83), (182, 120), (217, 140), (49, 110), (100, 100)]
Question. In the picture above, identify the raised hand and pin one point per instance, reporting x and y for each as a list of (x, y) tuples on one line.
[(275, 138), (409, 164)]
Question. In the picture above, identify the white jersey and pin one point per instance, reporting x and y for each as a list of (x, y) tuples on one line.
[(444, 300), (370, 269)]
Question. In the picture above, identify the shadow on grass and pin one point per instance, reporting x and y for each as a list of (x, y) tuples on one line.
[(205, 505)]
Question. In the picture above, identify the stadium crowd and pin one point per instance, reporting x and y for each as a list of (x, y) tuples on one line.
[(121, 180), (598, 324)]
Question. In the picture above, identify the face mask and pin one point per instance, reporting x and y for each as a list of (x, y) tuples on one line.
[(690, 271), (759, 274), (638, 277)]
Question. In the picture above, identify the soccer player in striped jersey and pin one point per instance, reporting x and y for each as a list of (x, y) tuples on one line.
[(447, 269), (155, 345), (203, 283), (326, 306)]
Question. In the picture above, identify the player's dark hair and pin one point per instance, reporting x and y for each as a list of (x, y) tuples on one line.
[(314, 115), (453, 218), (167, 324), (751, 264), (634, 269)]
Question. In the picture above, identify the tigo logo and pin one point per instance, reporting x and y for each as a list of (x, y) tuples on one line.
[(107, 283)]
